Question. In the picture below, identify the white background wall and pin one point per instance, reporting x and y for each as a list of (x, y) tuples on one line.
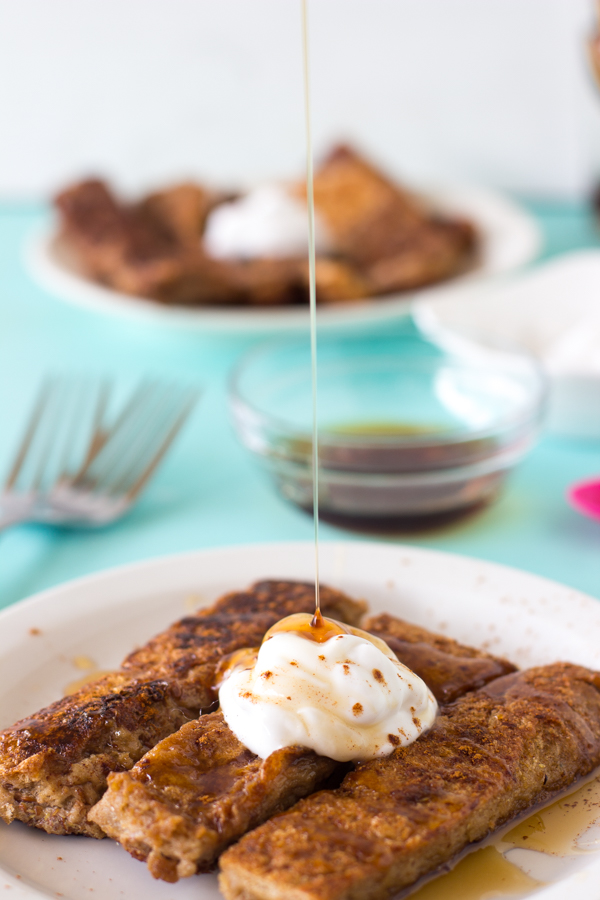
[(493, 91)]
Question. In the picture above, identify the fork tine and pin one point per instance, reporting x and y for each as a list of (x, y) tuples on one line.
[(123, 421), (161, 419), (126, 455), (73, 413), (106, 443), (32, 430), (53, 425), (130, 432), (97, 433), (164, 432), (67, 423), (169, 437)]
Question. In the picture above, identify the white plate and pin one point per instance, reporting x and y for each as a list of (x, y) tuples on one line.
[(529, 619), (553, 312), (511, 238)]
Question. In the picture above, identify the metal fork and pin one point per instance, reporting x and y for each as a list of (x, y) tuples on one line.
[(73, 469)]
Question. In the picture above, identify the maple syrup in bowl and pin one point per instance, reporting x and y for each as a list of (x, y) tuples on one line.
[(407, 428)]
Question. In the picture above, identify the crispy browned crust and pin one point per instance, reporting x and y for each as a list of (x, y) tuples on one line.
[(138, 248), (187, 653), (118, 245), (277, 282), (448, 668), (386, 231), (337, 281), (357, 201), (53, 765), (488, 757), (200, 789), (438, 250), (593, 47), (387, 240), (266, 282), (182, 209)]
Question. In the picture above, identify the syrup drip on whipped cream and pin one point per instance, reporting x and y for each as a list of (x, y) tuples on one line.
[(332, 688), (314, 682), (318, 629)]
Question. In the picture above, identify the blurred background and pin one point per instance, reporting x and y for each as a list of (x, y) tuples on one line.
[(495, 92), (458, 329)]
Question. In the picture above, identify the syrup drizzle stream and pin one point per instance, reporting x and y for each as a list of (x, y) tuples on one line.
[(318, 619)]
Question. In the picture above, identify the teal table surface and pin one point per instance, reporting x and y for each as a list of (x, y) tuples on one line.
[(209, 492)]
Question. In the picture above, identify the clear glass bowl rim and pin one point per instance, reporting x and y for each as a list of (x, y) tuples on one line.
[(530, 414)]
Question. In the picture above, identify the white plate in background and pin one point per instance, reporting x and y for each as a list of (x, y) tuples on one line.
[(527, 618), (510, 238), (554, 312)]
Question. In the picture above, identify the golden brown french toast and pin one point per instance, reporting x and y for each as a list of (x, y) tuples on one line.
[(489, 756), (54, 764)]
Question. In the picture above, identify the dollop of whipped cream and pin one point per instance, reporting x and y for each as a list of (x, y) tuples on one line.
[(267, 221), (348, 697)]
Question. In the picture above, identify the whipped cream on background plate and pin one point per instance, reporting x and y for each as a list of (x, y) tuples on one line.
[(267, 221), (348, 697)]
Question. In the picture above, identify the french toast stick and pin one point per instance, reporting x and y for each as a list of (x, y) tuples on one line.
[(489, 756), (200, 789), (53, 764), (118, 245), (448, 668), (144, 249), (394, 239), (197, 791)]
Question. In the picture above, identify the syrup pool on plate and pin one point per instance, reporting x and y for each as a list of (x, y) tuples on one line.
[(539, 850)]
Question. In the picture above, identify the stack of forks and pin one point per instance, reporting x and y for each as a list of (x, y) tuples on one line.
[(74, 468)]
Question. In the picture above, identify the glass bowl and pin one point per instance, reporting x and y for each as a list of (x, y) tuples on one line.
[(407, 428)]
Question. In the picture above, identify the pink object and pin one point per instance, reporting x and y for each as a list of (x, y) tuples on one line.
[(585, 497)]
